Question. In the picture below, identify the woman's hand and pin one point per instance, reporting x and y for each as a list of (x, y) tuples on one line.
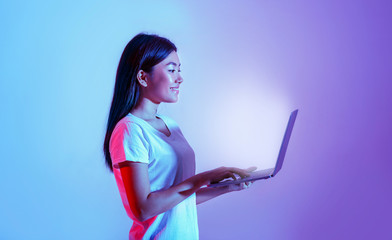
[(219, 174), (239, 187)]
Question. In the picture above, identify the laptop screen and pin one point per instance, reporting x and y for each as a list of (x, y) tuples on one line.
[(285, 143)]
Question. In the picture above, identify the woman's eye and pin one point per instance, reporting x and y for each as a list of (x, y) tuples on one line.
[(172, 71)]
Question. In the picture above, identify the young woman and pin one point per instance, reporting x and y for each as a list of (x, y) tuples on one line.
[(153, 164)]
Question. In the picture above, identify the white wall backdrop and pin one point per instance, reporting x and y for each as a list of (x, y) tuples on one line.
[(246, 65)]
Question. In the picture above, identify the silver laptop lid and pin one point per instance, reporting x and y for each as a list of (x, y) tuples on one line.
[(285, 142)]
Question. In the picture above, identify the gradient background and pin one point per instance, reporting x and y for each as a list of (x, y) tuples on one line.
[(246, 65)]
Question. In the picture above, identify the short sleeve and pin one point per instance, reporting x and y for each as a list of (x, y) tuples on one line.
[(127, 143)]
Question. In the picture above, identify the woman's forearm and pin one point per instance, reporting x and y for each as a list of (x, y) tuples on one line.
[(161, 201), (145, 204), (205, 194)]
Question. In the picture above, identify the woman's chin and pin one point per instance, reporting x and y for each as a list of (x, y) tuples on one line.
[(174, 101), (171, 100)]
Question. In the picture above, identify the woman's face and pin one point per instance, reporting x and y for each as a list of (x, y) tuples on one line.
[(164, 80)]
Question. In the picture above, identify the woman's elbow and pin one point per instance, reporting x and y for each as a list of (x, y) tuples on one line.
[(143, 217), (141, 214), (138, 214), (144, 209)]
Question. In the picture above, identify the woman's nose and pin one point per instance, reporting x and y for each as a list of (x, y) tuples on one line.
[(179, 78)]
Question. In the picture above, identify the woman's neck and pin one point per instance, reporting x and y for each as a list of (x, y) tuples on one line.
[(145, 109)]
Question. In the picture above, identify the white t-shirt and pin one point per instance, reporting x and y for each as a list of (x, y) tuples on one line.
[(170, 161)]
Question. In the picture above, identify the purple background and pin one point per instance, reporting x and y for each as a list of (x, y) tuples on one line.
[(246, 65)]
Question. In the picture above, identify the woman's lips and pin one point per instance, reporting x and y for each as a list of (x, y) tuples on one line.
[(175, 89)]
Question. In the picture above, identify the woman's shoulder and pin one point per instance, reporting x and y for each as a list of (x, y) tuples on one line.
[(127, 123), (125, 130)]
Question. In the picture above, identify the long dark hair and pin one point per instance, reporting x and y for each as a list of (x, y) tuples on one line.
[(143, 52)]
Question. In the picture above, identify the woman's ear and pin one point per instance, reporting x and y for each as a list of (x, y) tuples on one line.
[(142, 78)]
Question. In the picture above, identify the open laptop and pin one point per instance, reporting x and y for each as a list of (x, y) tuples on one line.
[(271, 172)]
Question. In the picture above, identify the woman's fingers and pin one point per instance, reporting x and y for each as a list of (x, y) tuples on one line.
[(229, 175), (241, 172), (251, 169), (241, 186), (222, 173), (246, 185), (219, 176)]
